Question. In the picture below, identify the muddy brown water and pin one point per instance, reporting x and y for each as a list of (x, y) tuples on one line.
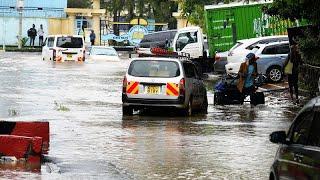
[(91, 140)]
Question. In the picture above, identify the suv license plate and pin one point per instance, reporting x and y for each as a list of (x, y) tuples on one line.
[(153, 89), (69, 56)]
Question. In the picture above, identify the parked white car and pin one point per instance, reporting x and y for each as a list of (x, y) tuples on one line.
[(239, 51), (63, 48), (156, 82), (271, 58), (103, 53)]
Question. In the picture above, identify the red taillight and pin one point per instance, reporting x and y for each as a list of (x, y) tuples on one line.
[(182, 87), (124, 84), (217, 57), (54, 54)]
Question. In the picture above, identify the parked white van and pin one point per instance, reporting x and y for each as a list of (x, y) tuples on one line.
[(63, 48)]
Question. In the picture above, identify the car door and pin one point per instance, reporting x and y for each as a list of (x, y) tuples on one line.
[(44, 49), (191, 83), (267, 55), (282, 53), (308, 157), (50, 45), (197, 87), (289, 165), (190, 42)]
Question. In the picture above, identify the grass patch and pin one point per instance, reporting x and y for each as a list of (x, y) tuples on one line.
[(61, 107), (13, 112)]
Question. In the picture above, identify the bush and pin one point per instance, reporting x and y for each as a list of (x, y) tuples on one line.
[(24, 41), (309, 47)]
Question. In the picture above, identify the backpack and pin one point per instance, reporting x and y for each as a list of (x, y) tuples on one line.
[(29, 32)]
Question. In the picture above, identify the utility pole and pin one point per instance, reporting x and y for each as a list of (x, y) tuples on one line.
[(20, 5)]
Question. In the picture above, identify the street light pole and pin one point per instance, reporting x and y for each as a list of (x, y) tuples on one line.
[(20, 5)]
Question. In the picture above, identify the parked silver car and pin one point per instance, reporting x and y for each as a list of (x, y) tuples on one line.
[(163, 83), (242, 48), (271, 60)]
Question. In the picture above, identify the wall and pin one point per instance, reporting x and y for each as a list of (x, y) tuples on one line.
[(10, 28), (59, 26)]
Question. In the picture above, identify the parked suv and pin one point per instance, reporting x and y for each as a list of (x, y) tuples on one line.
[(163, 83), (298, 156)]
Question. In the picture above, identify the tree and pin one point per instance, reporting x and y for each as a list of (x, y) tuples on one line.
[(160, 10), (79, 3), (193, 10), (296, 9), (309, 43)]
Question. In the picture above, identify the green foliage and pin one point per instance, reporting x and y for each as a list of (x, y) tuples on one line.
[(309, 47), (24, 41), (61, 107), (193, 10), (296, 9), (79, 3), (160, 10), (13, 112)]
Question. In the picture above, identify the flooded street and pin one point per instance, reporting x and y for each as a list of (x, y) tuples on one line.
[(89, 138)]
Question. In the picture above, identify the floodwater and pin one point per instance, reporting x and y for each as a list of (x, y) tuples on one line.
[(91, 140)]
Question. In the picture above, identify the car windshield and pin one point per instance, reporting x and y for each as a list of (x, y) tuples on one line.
[(235, 46), (151, 68), (69, 42), (103, 51)]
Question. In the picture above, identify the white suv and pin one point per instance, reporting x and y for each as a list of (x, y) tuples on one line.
[(62, 48), (163, 83)]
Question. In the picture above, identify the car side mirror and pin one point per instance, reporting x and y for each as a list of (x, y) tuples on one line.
[(278, 137)]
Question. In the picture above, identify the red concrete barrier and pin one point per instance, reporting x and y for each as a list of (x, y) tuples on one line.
[(28, 148), (28, 129)]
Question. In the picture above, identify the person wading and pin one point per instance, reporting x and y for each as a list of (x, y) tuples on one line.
[(247, 73), (291, 65)]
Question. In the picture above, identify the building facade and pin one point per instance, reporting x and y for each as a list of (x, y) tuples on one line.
[(35, 12)]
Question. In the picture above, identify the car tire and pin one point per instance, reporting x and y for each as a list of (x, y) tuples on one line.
[(188, 111), (260, 98), (204, 106), (272, 177), (275, 74), (127, 111), (218, 98)]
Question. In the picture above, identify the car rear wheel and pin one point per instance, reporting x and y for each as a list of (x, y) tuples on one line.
[(204, 106), (127, 111), (188, 111), (275, 74)]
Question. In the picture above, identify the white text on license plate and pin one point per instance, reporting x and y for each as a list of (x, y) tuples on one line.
[(153, 89)]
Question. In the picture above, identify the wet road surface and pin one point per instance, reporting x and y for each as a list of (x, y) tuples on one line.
[(91, 139)]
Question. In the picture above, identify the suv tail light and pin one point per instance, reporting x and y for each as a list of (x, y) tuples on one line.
[(54, 54), (217, 57), (182, 87), (124, 84)]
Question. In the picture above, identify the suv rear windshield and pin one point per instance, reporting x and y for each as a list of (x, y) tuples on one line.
[(69, 42), (150, 68)]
